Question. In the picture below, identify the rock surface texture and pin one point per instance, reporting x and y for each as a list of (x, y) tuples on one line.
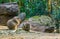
[(7, 11)]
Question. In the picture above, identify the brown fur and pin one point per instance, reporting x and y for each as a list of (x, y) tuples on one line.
[(13, 23), (26, 27)]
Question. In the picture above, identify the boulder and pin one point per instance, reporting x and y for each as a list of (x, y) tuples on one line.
[(38, 23), (8, 11), (33, 26), (9, 8)]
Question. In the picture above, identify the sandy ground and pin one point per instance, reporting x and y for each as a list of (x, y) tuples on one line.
[(3, 27), (31, 35)]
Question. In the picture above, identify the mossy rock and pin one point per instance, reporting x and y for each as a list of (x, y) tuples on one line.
[(44, 20)]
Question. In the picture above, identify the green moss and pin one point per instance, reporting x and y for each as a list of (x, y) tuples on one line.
[(35, 17)]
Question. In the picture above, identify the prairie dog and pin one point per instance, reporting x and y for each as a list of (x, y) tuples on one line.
[(15, 21), (26, 27)]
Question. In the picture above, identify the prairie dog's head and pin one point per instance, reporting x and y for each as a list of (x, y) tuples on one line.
[(22, 16)]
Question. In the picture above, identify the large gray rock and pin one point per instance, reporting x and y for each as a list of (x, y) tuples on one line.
[(43, 20), (37, 27), (34, 26), (38, 23), (9, 8)]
